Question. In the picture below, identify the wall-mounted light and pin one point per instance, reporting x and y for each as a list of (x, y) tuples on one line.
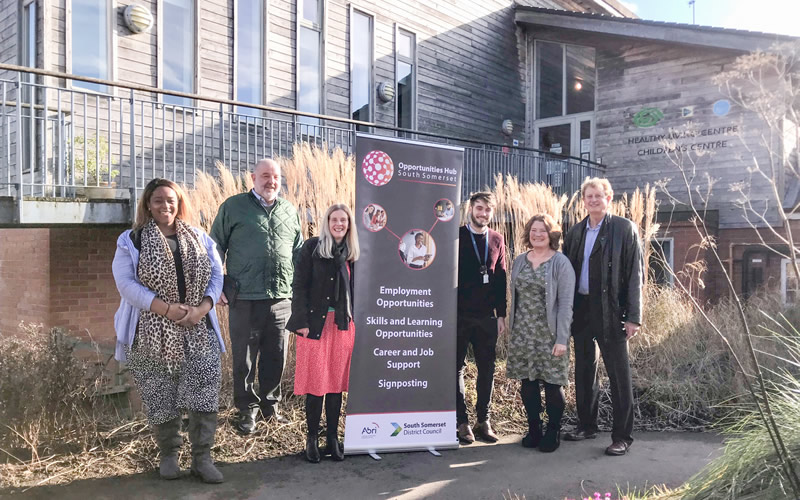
[(578, 85), (508, 127), (138, 18), (385, 91)]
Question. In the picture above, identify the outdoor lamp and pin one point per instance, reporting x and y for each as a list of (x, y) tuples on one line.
[(138, 18), (508, 127), (386, 91)]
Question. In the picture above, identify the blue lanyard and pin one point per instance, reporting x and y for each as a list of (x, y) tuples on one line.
[(475, 247)]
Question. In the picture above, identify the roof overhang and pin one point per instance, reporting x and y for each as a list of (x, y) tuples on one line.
[(653, 31)]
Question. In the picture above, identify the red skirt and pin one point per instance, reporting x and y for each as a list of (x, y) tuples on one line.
[(323, 366)]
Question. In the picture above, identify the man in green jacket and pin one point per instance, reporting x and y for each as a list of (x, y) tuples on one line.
[(258, 235)]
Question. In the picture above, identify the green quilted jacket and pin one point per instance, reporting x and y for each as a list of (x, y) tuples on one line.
[(258, 246)]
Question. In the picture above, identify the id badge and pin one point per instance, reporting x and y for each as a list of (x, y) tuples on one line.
[(485, 279)]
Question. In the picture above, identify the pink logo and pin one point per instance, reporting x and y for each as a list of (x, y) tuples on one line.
[(378, 168)]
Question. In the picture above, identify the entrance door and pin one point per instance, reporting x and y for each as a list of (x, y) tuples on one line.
[(568, 136), (755, 264)]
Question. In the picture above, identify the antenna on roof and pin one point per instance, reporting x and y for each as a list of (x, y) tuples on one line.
[(691, 2)]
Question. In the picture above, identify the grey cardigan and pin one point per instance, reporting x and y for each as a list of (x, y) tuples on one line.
[(559, 295)]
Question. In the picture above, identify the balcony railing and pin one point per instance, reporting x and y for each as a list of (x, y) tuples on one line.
[(60, 141)]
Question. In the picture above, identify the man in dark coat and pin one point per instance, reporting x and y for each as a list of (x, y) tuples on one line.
[(606, 254)]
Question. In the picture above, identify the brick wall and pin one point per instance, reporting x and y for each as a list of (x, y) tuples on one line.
[(82, 290), (24, 277)]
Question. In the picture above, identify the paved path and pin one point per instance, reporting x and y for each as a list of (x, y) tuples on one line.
[(476, 471)]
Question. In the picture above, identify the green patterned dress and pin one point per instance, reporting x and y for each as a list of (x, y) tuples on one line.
[(531, 345)]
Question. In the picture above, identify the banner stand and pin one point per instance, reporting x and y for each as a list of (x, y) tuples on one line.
[(402, 392)]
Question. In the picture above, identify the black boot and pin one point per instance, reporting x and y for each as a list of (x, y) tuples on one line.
[(552, 436), (333, 409), (532, 399), (534, 435), (313, 414), (312, 449)]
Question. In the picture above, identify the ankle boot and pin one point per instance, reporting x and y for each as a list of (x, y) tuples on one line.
[(334, 448), (312, 449), (168, 437), (552, 436), (202, 428), (534, 435)]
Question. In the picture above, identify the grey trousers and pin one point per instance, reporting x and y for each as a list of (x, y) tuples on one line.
[(259, 343)]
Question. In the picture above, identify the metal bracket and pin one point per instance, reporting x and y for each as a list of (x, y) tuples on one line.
[(433, 451), (374, 454)]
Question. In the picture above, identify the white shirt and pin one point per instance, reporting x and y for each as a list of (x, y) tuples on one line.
[(414, 252)]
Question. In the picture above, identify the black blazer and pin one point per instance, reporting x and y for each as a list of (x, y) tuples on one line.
[(622, 270), (312, 290)]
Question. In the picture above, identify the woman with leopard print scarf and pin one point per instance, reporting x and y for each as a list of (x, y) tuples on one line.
[(169, 276)]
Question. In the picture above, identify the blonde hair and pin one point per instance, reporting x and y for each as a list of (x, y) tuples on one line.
[(326, 242), (143, 215), (550, 224), (600, 183)]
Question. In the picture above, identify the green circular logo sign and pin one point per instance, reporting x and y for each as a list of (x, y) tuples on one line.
[(647, 117)]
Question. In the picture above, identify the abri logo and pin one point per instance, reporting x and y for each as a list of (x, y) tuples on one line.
[(370, 430)]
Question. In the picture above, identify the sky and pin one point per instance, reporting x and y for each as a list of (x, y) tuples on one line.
[(770, 16)]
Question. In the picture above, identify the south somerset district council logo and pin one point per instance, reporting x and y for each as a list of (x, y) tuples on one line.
[(378, 168)]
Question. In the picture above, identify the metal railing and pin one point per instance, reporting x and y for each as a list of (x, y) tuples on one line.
[(61, 140)]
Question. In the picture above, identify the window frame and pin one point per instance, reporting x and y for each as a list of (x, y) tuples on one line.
[(372, 91), (160, 53), (322, 30), (533, 90), (671, 257), (413, 60), (111, 47), (264, 53), (785, 263)]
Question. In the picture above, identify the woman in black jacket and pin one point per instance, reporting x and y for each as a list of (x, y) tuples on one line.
[(322, 318)]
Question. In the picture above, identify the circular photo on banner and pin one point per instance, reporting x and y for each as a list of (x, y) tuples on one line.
[(417, 249), (374, 217), (377, 168), (444, 210)]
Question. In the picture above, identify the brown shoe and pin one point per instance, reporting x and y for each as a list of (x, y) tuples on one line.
[(618, 448), (465, 435), (484, 431), (578, 435)]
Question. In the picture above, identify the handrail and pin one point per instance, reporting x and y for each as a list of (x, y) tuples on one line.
[(273, 109)]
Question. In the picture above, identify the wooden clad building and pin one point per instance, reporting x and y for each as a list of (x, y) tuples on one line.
[(659, 113), (584, 79)]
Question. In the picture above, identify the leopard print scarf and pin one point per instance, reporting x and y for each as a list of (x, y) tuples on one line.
[(161, 338)]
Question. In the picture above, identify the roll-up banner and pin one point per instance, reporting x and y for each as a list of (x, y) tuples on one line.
[(403, 372)]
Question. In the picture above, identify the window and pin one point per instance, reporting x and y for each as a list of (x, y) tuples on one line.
[(790, 285), (661, 261), (309, 58), (405, 79), (90, 42), (28, 36), (178, 40), (250, 54), (564, 79), (27, 57), (361, 74)]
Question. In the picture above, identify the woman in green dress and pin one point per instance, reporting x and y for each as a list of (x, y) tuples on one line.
[(542, 289)]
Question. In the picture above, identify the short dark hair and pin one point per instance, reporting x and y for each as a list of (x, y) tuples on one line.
[(550, 224), (483, 196)]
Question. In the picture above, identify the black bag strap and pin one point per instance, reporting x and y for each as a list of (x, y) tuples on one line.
[(136, 238)]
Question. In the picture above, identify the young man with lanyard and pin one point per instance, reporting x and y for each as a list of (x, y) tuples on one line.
[(481, 310)]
